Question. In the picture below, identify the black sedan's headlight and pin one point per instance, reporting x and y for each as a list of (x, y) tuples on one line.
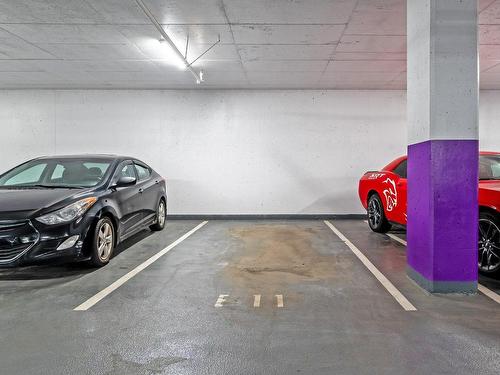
[(68, 213)]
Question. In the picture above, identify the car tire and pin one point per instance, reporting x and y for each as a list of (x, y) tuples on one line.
[(489, 244), (103, 242), (161, 216), (376, 215)]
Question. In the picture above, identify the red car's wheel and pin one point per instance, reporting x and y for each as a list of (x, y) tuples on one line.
[(376, 215), (489, 244)]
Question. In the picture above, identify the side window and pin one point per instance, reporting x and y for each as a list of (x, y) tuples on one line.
[(127, 171), (124, 170), (143, 173), (495, 169), (28, 176), (401, 169)]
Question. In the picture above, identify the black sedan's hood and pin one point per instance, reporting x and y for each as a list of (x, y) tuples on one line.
[(25, 203)]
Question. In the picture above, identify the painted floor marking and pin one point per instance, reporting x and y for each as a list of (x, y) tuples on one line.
[(397, 239), (122, 280), (279, 300), (256, 300), (221, 300), (487, 292), (398, 296)]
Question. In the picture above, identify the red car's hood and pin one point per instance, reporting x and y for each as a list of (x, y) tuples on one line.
[(491, 185)]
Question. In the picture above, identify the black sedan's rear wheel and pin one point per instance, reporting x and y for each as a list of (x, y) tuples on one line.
[(489, 244), (103, 243), (161, 216), (376, 215)]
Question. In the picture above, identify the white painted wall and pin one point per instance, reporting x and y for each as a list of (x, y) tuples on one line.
[(227, 152), (489, 120), (440, 32)]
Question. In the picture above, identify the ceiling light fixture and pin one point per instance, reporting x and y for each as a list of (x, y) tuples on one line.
[(183, 63), (180, 63)]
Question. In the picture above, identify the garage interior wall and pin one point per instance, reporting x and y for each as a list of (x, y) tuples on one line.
[(228, 151)]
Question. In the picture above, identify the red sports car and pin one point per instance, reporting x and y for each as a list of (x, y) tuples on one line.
[(383, 194)]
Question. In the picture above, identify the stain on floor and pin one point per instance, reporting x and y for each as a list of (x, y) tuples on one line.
[(273, 256), (158, 365)]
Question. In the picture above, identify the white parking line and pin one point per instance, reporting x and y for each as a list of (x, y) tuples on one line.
[(256, 300), (487, 292), (398, 296), (279, 300), (122, 280), (220, 301), (397, 239)]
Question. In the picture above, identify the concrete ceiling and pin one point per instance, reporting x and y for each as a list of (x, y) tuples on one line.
[(338, 44)]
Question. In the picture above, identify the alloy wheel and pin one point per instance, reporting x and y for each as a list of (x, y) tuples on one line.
[(161, 214), (105, 241), (489, 246), (374, 213)]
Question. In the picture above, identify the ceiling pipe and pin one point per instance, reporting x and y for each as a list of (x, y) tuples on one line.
[(167, 39)]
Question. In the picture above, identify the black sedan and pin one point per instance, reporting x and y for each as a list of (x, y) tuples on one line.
[(73, 208)]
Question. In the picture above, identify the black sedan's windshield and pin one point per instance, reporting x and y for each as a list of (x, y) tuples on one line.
[(489, 167), (57, 173)]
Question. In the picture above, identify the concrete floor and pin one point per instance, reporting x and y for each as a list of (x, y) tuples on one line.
[(336, 318)]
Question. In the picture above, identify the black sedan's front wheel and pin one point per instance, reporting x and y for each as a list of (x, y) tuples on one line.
[(103, 242), (489, 244), (376, 215)]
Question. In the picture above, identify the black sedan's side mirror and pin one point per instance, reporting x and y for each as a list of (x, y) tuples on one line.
[(125, 181)]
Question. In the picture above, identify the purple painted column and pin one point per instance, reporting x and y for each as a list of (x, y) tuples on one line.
[(443, 214), (443, 145)]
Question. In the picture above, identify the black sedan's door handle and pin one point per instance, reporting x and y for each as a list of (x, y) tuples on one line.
[(141, 190)]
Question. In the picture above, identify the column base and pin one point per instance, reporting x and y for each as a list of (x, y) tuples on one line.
[(434, 286)]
